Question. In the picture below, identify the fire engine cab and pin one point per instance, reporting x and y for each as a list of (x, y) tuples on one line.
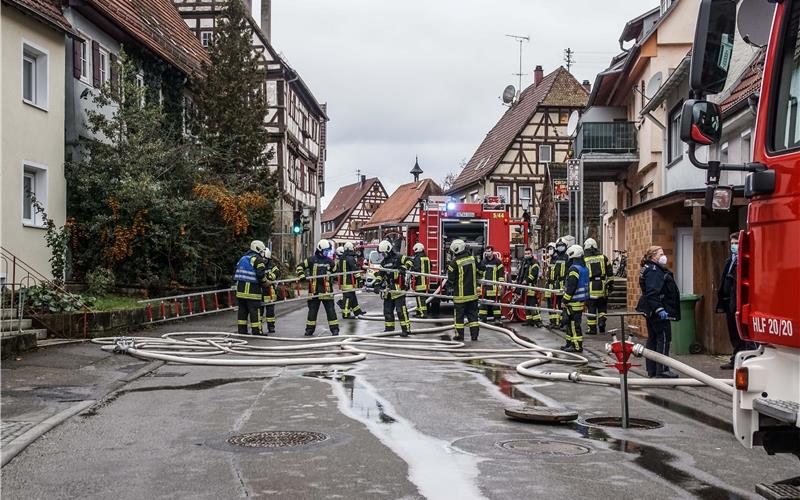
[(479, 224)]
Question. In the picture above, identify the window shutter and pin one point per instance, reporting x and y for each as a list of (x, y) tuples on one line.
[(96, 63), (76, 57), (114, 77)]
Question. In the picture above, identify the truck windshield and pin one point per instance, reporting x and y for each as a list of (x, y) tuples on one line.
[(785, 111)]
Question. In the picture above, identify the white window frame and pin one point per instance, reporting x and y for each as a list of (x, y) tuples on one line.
[(40, 57), (747, 146), (86, 62), (38, 173), (139, 81), (105, 65), (522, 198), (674, 143), (473, 195), (724, 154), (206, 38), (504, 187)]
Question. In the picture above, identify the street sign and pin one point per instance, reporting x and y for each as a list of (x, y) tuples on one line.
[(574, 174), (560, 191)]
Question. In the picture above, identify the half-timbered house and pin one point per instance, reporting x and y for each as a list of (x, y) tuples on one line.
[(401, 211), (351, 208), (530, 136), (296, 127)]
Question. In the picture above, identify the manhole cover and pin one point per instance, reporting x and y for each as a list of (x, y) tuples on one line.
[(537, 447), (633, 423), (277, 439), (541, 414)]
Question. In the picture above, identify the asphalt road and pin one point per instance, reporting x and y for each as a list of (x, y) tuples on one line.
[(389, 428)]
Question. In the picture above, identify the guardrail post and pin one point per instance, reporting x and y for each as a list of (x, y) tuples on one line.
[(203, 303), (150, 312), (189, 305), (163, 310), (216, 300)]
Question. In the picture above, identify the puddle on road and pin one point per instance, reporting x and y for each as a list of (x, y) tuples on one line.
[(686, 411), (436, 469), (502, 378)]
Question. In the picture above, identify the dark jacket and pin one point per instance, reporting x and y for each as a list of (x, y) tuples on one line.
[(395, 280), (659, 291), (318, 265), (252, 290), (726, 294), (462, 275), (421, 264), (349, 263), (492, 270)]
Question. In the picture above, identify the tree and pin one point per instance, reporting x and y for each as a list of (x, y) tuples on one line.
[(451, 176)]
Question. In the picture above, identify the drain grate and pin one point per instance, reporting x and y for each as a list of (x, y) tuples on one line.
[(539, 447), (277, 439), (633, 423)]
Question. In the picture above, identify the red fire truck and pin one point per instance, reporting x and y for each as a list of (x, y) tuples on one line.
[(766, 402), (479, 224)]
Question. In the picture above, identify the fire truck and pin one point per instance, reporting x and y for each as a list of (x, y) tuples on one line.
[(766, 402), (479, 224)]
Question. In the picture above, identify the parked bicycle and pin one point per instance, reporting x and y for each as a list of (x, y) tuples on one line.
[(620, 263)]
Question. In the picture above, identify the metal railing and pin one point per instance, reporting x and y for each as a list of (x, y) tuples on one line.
[(606, 137)]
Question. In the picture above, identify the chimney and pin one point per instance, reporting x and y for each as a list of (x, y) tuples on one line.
[(587, 86), (538, 74), (363, 180), (262, 18)]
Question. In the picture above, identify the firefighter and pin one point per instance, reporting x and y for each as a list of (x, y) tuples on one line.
[(529, 275), (316, 269), (250, 277), (558, 271), (348, 262), (491, 268), (421, 264), (547, 262), (391, 283), (270, 295), (598, 265), (462, 274), (576, 293)]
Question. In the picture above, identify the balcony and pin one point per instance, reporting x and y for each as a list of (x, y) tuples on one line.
[(606, 148)]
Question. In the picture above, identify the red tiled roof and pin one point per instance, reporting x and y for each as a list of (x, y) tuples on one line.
[(159, 26), (558, 88), (48, 10), (748, 84), (402, 202), (346, 199)]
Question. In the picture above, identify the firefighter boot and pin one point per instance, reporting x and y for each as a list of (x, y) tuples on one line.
[(404, 331), (309, 332), (334, 332), (473, 334), (577, 347), (459, 335)]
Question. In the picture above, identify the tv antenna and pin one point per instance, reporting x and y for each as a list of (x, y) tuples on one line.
[(569, 58), (520, 39)]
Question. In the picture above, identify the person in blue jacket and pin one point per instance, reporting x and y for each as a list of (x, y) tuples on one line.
[(576, 293)]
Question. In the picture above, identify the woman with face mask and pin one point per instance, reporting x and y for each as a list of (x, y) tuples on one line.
[(660, 302)]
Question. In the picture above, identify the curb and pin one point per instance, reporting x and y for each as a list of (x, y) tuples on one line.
[(13, 449)]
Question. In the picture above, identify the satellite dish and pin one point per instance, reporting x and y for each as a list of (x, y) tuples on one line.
[(754, 21), (653, 85), (572, 124), (508, 94)]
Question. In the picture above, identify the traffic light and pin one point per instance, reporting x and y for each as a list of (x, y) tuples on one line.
[(306, 221), (297, 223)]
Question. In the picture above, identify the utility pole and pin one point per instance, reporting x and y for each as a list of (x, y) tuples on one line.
[(569, 60), (520, 39)]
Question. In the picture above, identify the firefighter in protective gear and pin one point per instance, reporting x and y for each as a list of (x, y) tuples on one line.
[(391, 282), (317, 269), (558, 272), (421, 264), (250, 277), (348, 262), (270, 295), (462, 275), (599, 267), (576, 293), (547, 260), (491, 268), (529, 275)]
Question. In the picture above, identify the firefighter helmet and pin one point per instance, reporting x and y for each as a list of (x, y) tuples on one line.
[(568, 240), (257, 246), (589, 243), (340, 251), (267, 253), (349, 247), (323, 245), (575, 251), (419, 247), (385, 246), (458, 246)]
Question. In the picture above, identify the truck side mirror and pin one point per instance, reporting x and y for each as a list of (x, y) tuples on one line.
[(713, 46), (701, 122)]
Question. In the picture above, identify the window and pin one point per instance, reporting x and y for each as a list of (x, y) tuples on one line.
[(34, 75), (84, 55), (463, 199), (646, 192), (674, 146), (105, 74), (784, 110), (723, 153), (747, 155), (505, 193), (206, 38), (34, 189), (138, 80), (473, 195), (525, 197)]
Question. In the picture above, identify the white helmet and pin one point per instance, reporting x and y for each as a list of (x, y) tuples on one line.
[(575, 251), (349, 246), (340, 251), (324, 245), (385, 246), (568, 240), (257, 246), (419, 247), (589, 243), (458, 246), (267, 253)]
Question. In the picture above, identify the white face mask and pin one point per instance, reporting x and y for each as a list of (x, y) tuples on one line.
[(662, 260)]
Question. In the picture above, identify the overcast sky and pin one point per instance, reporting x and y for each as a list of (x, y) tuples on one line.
[(417, 77)]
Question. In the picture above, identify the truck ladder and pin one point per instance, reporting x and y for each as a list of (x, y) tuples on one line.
[(433, 239)]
